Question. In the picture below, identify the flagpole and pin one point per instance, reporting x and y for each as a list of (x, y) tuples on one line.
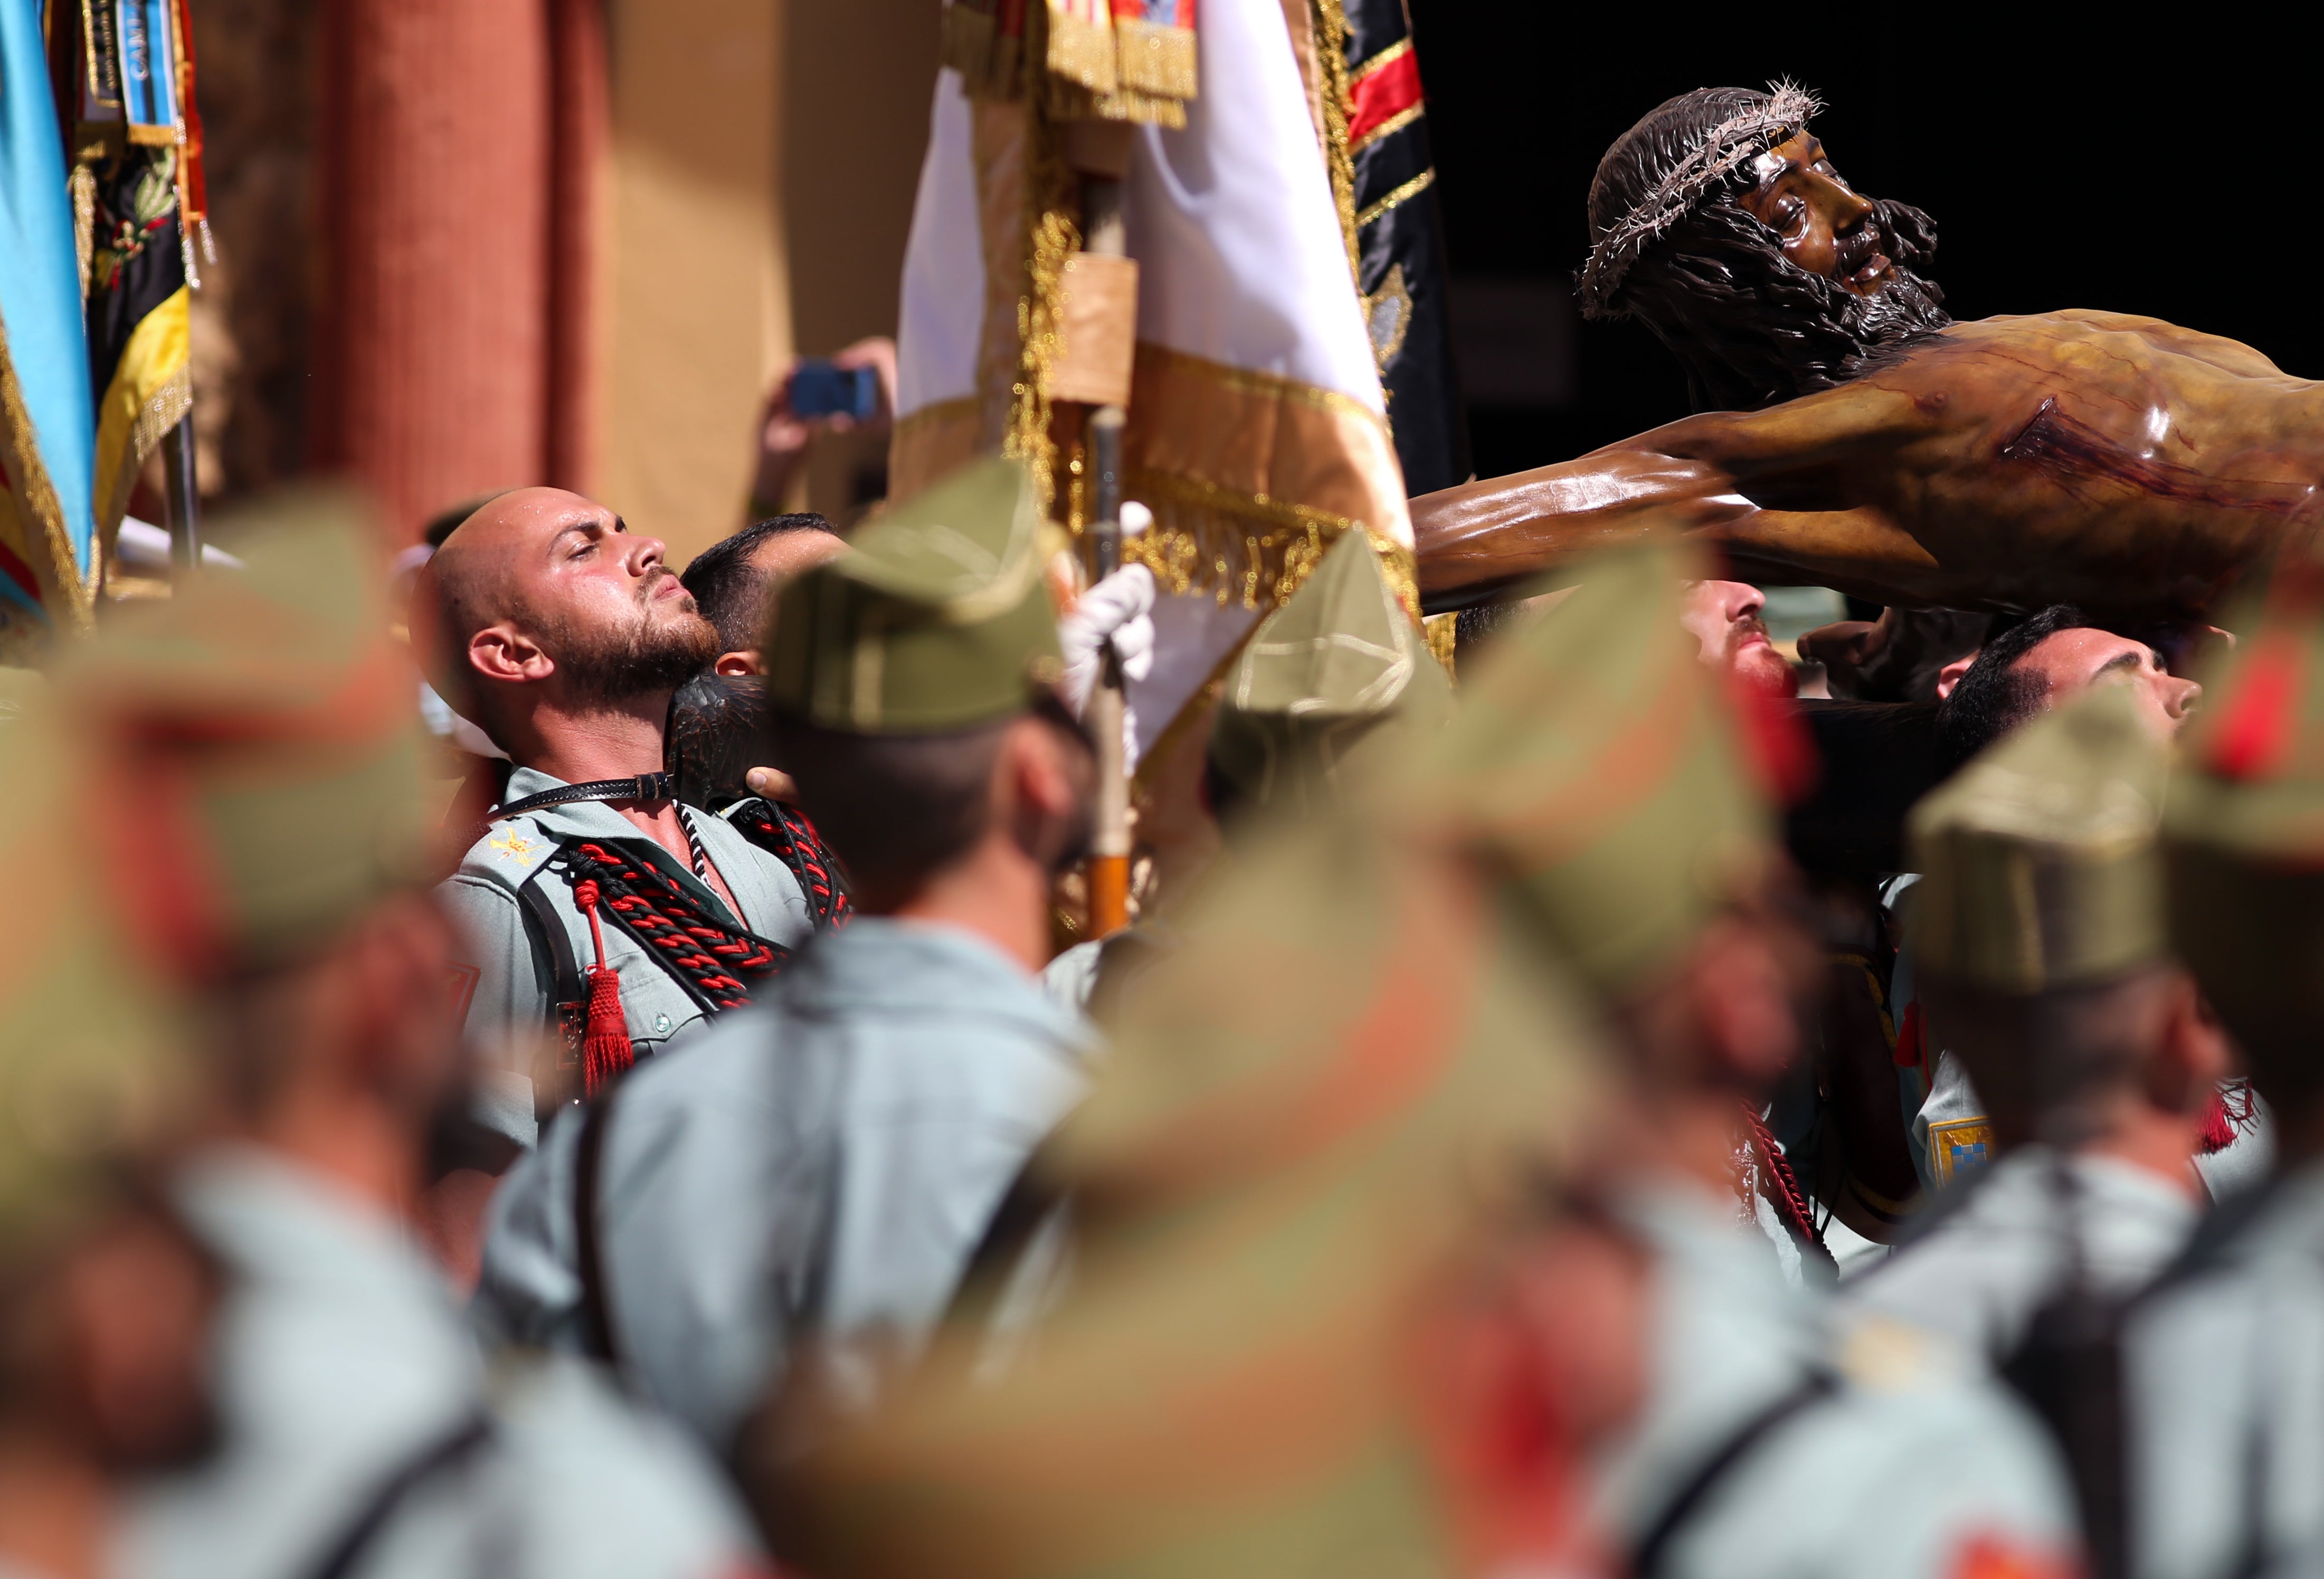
[(184, 500), (1104, 236)]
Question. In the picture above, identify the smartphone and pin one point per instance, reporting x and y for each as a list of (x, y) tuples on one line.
[(820, 387)]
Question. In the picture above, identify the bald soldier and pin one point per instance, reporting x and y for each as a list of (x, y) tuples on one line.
[(1594, 763), (826, 1162), (241, 766), (2224, 1402), (563, 635)]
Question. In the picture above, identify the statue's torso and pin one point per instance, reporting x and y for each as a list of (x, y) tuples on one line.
[(2109, 458)]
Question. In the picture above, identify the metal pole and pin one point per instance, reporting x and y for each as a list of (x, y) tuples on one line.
[(1104, 236), (185, 503)]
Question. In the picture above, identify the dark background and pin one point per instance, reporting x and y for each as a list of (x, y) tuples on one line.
[(2154, 167)]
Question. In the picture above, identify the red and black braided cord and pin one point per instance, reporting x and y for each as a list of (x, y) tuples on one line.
[(1782, 1185), (786, 832), (718, 964)]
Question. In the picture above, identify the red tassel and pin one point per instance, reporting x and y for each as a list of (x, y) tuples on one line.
[(2217, 1132), (1910, 1039), (606, 1052), (2257, 732)]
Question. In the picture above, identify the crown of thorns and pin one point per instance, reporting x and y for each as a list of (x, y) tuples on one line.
[(1731, 142)]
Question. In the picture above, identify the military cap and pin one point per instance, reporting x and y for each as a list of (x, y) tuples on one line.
[(214, 781), (1339, 675), (1606, 770), (937, 618), (255, 744), (2039, 858), (84, 1032), (1334, 1096), (2242, 834)]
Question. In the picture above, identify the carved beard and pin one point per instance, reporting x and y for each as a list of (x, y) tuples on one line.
[(1752, 327)]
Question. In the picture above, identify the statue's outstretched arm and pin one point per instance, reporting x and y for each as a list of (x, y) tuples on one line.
[(1701, 476)]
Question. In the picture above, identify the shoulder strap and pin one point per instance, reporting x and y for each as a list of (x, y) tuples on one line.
[(568, 1000), (1654, 1546), (644, 787), (1007, 1232), (589, 1253), (436, 1459)]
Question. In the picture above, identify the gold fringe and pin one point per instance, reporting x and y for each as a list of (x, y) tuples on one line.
[(1244, 548), (1081, 51), (1070, 101), (28, 480), (1440, 631), (1156, 58), (83, 183), (1332, 61), (163, 410), (1053, 234)]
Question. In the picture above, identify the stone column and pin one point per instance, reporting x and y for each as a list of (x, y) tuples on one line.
[(433, 375)]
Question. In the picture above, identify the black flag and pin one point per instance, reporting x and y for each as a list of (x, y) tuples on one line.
[(1400, 248)]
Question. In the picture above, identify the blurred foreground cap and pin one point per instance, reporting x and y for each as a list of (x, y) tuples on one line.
[(1348, 1079), (1603, 766), (2039, 860), (938, 619), (251, 744), (86, 1034), (2243, 835), (215, 781), (1338, 677)]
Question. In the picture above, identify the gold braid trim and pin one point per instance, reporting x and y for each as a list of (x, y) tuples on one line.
[(1052, 234), (58, 570), (1339, 157), (83, 184), (1243, 547)]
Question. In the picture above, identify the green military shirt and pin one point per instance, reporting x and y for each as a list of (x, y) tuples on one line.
[(505, 972)]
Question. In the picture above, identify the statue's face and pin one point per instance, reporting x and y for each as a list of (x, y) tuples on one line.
[(1826, 228)]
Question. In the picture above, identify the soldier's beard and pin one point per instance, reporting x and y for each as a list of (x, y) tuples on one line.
[(647, 658)]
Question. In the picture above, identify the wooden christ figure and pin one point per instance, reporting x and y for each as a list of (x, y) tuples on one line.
[(1849, 434)]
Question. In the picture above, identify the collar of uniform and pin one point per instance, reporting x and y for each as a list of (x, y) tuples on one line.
[(1727, 1336), (277, 1224), (914, 965), (595, 820)]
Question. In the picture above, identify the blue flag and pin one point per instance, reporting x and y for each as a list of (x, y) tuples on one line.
[(48, 437)]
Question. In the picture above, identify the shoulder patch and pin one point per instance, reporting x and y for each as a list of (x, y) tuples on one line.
[(1960, 1146), (510, 852)]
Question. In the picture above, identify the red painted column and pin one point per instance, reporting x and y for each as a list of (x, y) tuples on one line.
[(581, 108), (436, 196)]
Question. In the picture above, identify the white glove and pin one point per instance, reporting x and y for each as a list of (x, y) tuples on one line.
[(1118, 612)]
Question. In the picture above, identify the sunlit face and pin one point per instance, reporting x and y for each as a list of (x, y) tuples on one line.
[(2072, 661), (1825, 227), (1725, 619)]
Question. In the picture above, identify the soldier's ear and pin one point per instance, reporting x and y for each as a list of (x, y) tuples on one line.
[(505, 651), (2193, 1051)]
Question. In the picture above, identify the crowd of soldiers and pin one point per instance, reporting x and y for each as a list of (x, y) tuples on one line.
[(1402, 1196), (632, 1112)]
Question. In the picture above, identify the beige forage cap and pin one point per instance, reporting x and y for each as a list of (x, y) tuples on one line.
[(936, 619), (1339, 675), (2040, 861), (1622, 788)]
